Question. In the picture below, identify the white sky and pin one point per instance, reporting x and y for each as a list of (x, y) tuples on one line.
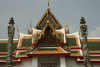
[(24, 11)]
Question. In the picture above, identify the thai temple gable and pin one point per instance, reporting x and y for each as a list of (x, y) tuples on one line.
[(47, 33), (40, 42), (52, 18)]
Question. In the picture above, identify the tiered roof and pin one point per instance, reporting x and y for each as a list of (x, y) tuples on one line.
[(50, 30), (48, 14)]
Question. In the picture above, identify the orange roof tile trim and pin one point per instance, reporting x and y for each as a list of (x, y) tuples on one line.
[(59, 50)]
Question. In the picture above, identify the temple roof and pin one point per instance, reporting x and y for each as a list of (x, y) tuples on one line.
[(25, 42), (72, 40), (48, 51), (48, 15)]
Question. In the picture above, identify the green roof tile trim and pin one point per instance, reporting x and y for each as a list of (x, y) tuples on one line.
[(74, 52), (93, 45), (26, 42), (22, 53), (48, 49), (71, 42), (3, 47), (2, 58)]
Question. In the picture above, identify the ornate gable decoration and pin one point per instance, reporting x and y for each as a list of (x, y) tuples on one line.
[(48, 38), (48, 14)]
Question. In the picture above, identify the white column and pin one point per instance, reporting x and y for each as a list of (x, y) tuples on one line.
[(34, 61), (62, 61)]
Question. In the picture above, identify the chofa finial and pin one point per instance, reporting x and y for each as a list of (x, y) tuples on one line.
[(30, 24), (66, 24), (79, 30), (17, 28)]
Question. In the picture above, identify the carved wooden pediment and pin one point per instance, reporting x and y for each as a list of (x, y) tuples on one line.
[(49, 39), (52, 19)]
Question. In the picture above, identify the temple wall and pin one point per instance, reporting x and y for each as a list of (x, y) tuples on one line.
[(70, 62), (2, 65), (62, 61), (25, 63), (50, 59)]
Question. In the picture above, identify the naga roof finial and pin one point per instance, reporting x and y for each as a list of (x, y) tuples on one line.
[(17, 28), (66, 24), (79, 30), (30, 24)]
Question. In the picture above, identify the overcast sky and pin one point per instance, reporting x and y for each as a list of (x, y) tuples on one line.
[(24, 11)]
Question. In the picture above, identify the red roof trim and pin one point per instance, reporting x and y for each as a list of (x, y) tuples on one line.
[(20, 49), (76, 48), (21, 58), (90, 61), (2, 62), (94, 53), (18, 61), (75, 57)]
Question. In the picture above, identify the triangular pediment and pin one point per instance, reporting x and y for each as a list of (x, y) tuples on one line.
[(48, 39), (54, 22)]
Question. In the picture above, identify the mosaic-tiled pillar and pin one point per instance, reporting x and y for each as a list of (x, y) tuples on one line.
[(84, 34), (11, 29)]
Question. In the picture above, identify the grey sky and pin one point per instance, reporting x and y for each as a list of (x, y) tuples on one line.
[(24, 11)]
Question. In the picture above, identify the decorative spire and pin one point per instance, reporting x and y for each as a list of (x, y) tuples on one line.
[(11, 21), (48, 5), (82, 20)]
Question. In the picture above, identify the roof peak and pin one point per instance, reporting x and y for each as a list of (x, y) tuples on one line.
[(48, 5)]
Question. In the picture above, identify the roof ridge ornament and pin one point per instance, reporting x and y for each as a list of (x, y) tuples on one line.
[(29, 32), (17, 29), (30, 24), (48, 5), (79, 30), (67, 32), (66, 24)]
